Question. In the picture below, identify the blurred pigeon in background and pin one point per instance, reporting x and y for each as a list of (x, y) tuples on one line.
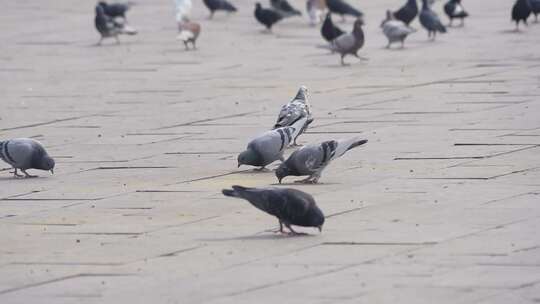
[(284, 8), (350, 43), (521, 11), (430, 21), (219, 5), (535, 8), (315, 9), (454, 9), (407, 12), (395, 30), (24, 154), (329, 30), (312, 159), (290, 206), (295, 110), (269, 146), (188, 32), (115, 10), (342, 8), (110, 28), (266, 17), (183, 10)]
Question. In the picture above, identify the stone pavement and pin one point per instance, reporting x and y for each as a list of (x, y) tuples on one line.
[(441, 206)]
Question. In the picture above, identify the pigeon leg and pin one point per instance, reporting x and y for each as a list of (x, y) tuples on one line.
[(100, 40), (450, 24), (15, 174), (211, 15), (193, 43), (342, 62), (292, 230), (462, 24), (186, 45), (402, 43), (27, 175), (388, 45)]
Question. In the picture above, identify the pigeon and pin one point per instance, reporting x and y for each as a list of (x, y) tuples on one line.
[(24, 154), (266, 16), (108, 27), (269, 146), (290, 206), (183, 10), (315, 9), (407, 12), (219, 5), (350, 43), (296, 109), (312, 159), (430, 21), (454, 9), (395, 30), (521, 11), (340, 7), (115, 10), (535, 8), (329, 31), (189, 32), (284, 8)]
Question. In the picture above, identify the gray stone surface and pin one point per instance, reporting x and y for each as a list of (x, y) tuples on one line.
[(441, 206)]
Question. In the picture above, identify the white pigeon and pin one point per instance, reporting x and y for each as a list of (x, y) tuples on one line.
[(395, 30)]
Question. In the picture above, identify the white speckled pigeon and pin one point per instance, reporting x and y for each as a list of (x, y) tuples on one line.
[(295, 110), (290, 206), (24, 154)]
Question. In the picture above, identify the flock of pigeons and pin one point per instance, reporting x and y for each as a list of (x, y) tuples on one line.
[(111, 21), (290, 206)]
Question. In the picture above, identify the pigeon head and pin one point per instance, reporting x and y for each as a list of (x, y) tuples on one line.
[(45, 163), (282, 171), (316, 218), (258, 5), (248, 157), (389, 16), (102, 4), (302, 93), (99, 10)]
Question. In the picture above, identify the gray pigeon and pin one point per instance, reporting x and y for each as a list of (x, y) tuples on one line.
[(312, 159), (350, 43), (24, 154), (395, 30), (430, 21), (269, 146), (295, 110), (290, 206)]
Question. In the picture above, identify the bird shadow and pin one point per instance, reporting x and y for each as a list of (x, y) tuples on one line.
[(302, 184), (258, 237), (513, 31)]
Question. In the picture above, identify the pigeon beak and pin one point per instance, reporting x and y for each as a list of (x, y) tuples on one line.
[(52, 171)]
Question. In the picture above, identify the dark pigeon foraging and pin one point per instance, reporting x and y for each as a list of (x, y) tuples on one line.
[(342, 8), (284, 8), (267, 17), (329, 30), (25, 153), (521, 12), (407, 12), (350, 43), (115, 10), (219, 5), (454, 10), (430, 21), (290, 206), (110, 28), (535, 8)]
